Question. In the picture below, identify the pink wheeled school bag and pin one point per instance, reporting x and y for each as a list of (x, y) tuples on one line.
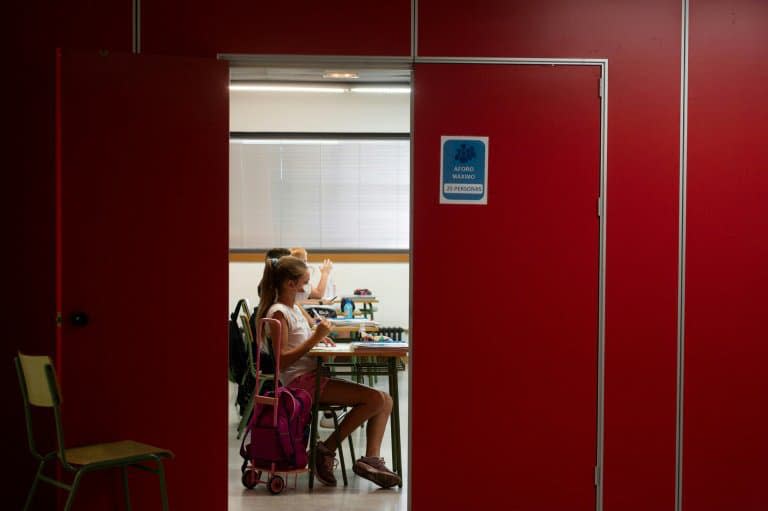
[(278, 429), (281, 441)]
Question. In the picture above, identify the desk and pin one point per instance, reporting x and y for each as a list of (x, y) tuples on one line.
[(343, 327), (389, 368)]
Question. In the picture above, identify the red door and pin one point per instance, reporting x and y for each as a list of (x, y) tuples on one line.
[(505, 295), (142, 267)]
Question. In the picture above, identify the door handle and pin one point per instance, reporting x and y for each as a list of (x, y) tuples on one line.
[(78, 319)]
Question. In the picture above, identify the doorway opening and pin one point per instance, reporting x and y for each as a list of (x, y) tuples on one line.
[(320, 159)]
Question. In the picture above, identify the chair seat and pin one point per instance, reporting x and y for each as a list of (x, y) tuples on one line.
[(112, 451), (329, 407)]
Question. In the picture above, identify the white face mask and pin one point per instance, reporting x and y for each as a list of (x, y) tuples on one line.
[(303, 294)]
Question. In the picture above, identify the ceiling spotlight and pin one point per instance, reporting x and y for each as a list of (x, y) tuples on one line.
[(341, 75)]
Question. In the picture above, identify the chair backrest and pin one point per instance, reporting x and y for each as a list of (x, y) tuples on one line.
[(239, 356), (36, 383), (39, 387), (246, 307), (249, 342)]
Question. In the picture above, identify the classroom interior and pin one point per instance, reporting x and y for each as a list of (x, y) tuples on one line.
[(316, 164)]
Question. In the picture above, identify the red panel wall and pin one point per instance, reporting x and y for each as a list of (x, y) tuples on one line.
[(642, 42), (92, 24), (726, 218), (505, 343), (34, 30), (331, 27), (726, 384)]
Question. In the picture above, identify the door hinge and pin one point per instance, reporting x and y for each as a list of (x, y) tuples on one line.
[(599, 207), (601, 87), (597, 475), (59, 320)]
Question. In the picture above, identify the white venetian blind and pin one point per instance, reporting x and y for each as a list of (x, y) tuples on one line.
[(346, 194)]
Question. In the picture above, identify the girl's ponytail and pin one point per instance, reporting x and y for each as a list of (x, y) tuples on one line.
[(267, 289), (276, 271)]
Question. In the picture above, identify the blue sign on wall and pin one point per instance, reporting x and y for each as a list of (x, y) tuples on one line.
[(464, 170)]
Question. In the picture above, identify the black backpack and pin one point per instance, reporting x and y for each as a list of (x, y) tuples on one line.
[(238, 349)]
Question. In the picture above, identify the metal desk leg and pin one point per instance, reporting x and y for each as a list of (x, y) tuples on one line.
[(368, 309), (313, 427), (395, 426)]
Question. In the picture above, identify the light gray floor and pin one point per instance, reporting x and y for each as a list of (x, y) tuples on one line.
[(358, 496)]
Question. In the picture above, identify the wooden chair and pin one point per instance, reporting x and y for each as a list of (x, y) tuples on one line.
[(40, 388)]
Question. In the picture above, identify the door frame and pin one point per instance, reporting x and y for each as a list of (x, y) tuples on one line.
[(601, 206), (355, 62), (601, 212)]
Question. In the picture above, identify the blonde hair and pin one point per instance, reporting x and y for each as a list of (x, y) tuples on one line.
[(299, 252)]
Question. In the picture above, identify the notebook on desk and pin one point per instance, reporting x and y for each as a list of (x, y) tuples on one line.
[(323, 347), (352, 322), (380, 345)]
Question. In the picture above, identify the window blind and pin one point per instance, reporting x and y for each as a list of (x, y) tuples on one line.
[(331, 194)]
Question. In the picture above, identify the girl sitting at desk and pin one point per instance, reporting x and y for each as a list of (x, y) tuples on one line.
[(283, 278)]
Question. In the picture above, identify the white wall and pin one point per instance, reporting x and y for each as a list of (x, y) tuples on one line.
[(388, 281), (318, 112)]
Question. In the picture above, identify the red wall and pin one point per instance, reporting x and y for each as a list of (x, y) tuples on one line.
[(330, 27), (726, 385), (726, 298), (642, 42), (35, 29)]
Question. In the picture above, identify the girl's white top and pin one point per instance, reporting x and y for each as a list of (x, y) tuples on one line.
[(298, 332)]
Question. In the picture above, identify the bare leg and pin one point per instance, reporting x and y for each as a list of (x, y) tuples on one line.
[(367, 404)]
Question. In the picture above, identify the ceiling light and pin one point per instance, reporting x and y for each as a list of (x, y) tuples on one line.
[(274, 141), (341, 75), (284, 88)]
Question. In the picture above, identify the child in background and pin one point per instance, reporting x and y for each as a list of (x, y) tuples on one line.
[(276, 253), (323, 288), (283, 279)]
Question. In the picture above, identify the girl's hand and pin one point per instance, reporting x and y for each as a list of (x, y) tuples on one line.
[(323, 327), (328, 342), (326, 267)]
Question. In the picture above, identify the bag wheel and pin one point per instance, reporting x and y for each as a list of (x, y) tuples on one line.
[(276, 485), (251, 478)]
